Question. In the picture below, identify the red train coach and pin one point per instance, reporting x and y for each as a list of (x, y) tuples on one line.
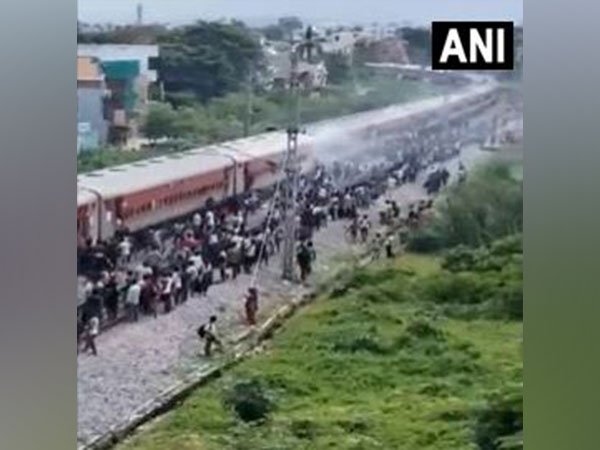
[(151, 191)]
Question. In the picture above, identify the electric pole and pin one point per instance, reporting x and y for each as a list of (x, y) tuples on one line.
[(291, 188), (248, 113), (302, 51)]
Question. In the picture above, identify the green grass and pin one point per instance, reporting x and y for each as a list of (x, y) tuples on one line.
[(372, 366)]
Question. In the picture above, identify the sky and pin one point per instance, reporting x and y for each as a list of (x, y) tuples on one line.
[(261, 12)]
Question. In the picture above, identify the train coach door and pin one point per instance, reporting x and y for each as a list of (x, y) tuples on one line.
[(248, 179), (229, 186), (83, 226), (119, 208)]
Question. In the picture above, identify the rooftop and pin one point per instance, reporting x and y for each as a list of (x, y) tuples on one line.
[(88, 69)]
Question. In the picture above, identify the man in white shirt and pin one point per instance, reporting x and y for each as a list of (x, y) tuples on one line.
[(93, 329), (132, 300), (124, 251), (197, 220), (196, 259), (191, 273), (210, 219)]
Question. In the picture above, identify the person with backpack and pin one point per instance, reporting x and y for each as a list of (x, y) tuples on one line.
[(208, 333)]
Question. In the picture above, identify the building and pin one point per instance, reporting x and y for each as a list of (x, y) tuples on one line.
[(129, 72), (312, 76), (92, 95), (340, 42), (144, 54), (387, 50), (127, 99)]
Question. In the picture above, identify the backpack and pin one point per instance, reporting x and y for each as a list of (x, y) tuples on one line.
[(201, 331)]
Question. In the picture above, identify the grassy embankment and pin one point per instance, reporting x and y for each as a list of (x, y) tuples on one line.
[(422, 352)]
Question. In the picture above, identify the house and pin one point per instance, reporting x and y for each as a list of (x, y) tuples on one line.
[(341, 42), (92, 94), (387, 50), (127, 100), (312, 76), (144, 54), (129, 72)]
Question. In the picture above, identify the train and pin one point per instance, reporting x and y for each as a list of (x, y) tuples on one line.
[(148, 192)]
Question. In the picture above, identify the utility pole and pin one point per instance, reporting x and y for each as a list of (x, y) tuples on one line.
[(248, 113), (291, 172), (303, 50)]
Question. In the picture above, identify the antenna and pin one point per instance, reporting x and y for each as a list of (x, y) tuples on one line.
[(140, 13)]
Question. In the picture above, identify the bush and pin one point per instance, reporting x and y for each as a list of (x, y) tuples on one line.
[(487, 207), (460, 258), (422, 329), (366, 343), (460, 288), (500, 254), (471, 295), (363, 277), (500, 423), (304, 429), (425, 240), (249, 400)]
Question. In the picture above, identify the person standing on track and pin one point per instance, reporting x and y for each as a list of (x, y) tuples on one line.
[(222, 264), (305, 256), (364, 226), (389, 242), (92, 330), (251, 306), (166, 295), (132, 301), (189, 280)]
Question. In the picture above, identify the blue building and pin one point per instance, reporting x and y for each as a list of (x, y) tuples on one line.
[(92, 96)]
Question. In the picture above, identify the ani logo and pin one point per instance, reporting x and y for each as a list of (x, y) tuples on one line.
[(472, 45)]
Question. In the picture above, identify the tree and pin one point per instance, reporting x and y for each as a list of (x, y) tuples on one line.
[(208, 58), (159, 122), (419, 44), (338, 67), (274, 33), (289, 25), (129, 34)]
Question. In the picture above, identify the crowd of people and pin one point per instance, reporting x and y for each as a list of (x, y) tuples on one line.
[(157, 270)]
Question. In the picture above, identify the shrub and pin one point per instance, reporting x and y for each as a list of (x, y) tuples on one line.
[(460, 288), (493, 293), (500, 422), (423, 329), (249, 400), (460, 258), (425, 240), (365, 343), (487, 207), (303, 429)]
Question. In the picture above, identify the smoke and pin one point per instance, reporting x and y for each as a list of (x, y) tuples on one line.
[(335, 143), (348, 139)]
